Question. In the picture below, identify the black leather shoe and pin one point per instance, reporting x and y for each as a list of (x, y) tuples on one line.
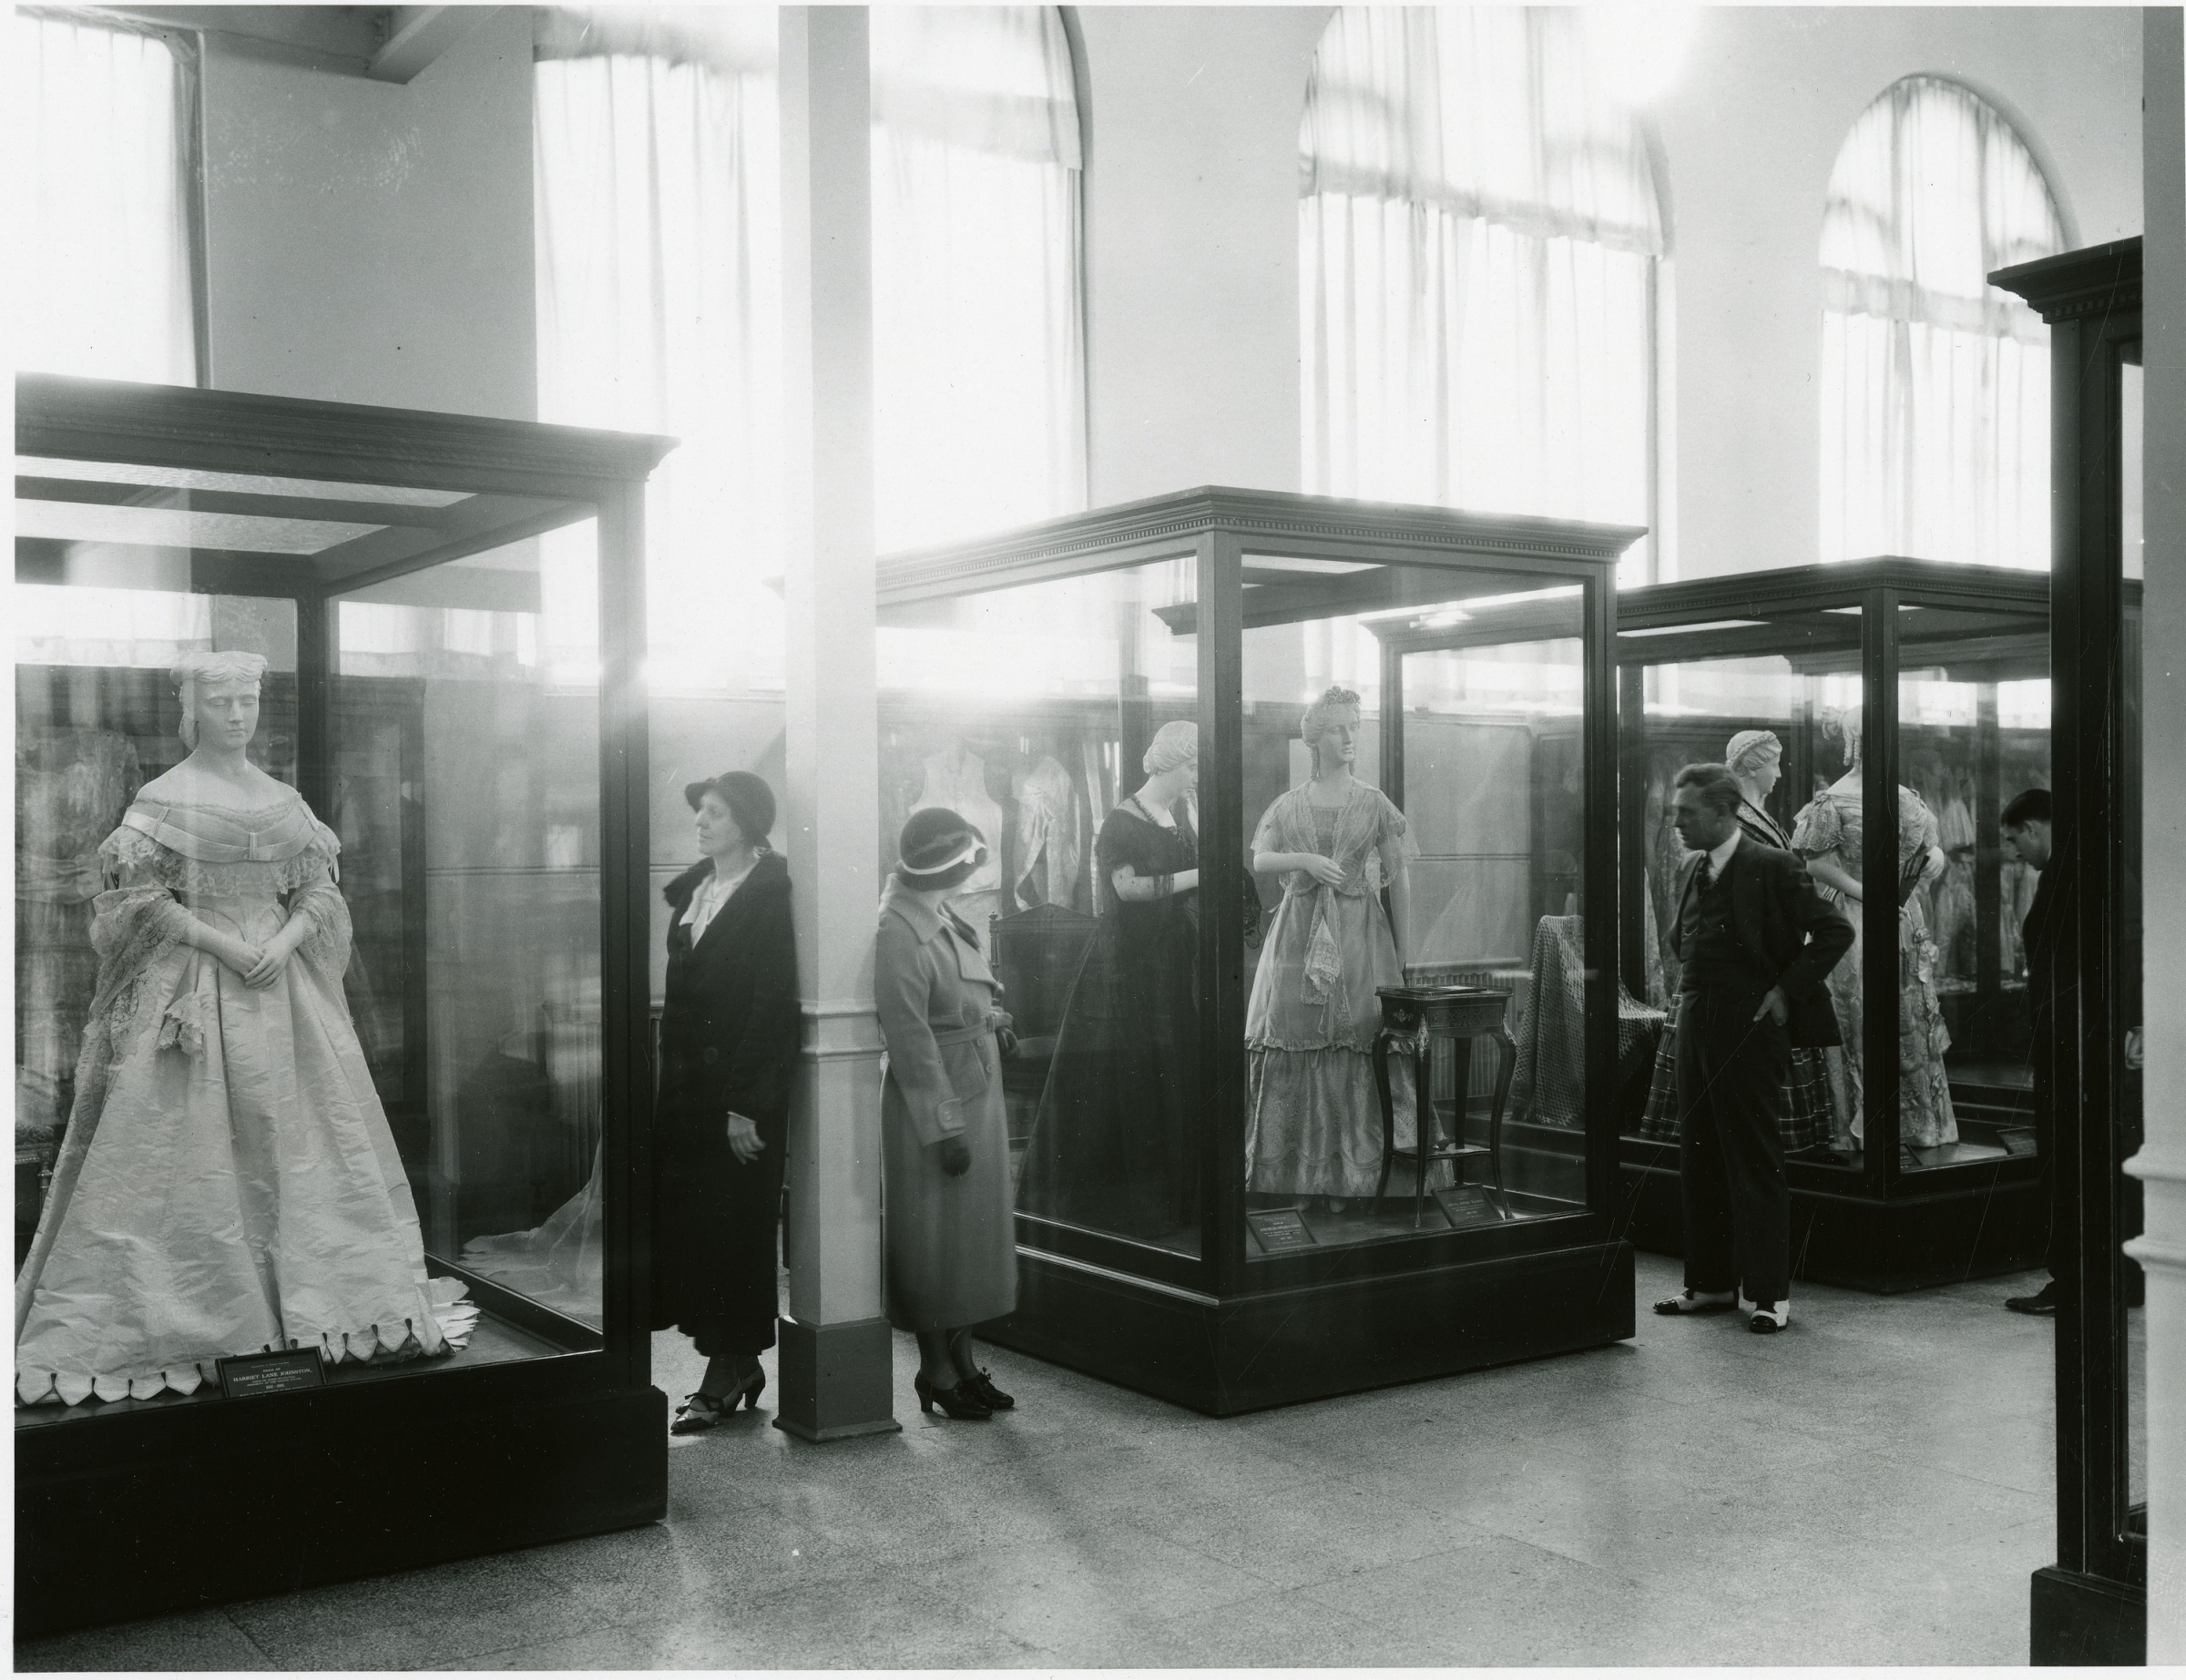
[(1692, 1301), (981, 1383), (2042, 1304), (958, 1402)]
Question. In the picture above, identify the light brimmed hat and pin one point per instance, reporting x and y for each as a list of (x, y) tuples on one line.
[(938, 848)]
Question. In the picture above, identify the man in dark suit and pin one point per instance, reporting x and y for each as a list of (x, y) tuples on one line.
[(2027, 837), (1755, 940)]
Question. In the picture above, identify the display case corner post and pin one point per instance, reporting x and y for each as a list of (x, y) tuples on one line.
[(1219, 587), (317, 648), (1631, 825), (1391, 657), (1599, 773), (1879, 977), (624, 921)]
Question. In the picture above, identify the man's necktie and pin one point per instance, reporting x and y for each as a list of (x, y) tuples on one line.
[(1706, 877)]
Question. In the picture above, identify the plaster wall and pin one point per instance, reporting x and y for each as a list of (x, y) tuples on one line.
[(369, 241)]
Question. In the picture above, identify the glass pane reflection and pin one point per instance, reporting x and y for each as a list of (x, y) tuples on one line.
[(465, 756), (1061, 720)]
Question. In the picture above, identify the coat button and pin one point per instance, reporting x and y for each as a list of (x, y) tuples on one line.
[(710, 1056)]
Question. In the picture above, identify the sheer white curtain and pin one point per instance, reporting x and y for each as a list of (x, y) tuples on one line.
[(659, 310), (1477, 236), (978, 315), (1935, 385), (105, 115)]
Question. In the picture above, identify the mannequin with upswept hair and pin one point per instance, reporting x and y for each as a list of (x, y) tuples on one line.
[(1830, 834), (227, 1183), (1312, 1117), (1115, 1144)]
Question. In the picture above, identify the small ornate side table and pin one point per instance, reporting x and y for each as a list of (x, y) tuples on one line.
[(1412, 1019)]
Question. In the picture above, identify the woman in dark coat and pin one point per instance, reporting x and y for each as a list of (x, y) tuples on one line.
[(729, 1037)]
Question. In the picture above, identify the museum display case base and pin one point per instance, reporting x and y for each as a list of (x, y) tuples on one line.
[(2084, 1622), (168, 1508), (1988, 1222), (1222, 1357)]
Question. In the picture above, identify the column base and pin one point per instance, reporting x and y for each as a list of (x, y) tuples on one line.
[(836, 1381), (2080, 1621)]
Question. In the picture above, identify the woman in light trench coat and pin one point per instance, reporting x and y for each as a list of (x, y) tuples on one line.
[(952, 1243)]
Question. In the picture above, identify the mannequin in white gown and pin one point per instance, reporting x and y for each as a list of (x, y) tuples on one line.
[(227, 1183)]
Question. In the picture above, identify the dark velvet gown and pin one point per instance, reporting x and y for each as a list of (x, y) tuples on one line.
[(1115, 1143)]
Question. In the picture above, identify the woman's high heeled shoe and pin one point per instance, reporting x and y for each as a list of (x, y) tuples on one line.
[(980, 1384), (958, 1402), (748, 1390)]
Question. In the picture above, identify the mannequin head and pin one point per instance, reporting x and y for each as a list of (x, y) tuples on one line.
[(1330, 730), (1756, 758), (218, 692), (1171, 763), (1844, 726)]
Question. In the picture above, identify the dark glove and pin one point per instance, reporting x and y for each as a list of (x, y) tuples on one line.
[(955, 1156)]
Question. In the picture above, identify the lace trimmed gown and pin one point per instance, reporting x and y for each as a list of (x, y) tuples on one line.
[(1833, 826), (1314, 1118), (227, 1183)]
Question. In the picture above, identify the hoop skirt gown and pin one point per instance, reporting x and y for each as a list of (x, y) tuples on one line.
[(1313, 1114), (1833, 825), (227, 1183)]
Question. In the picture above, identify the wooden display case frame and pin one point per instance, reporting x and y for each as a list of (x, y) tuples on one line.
[(422, 1465), (2091, 1606), (1216, 1331)]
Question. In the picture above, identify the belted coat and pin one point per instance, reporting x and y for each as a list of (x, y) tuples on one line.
[(951, 1242)]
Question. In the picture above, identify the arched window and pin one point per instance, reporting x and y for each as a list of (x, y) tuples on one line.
[(1934, 384), (656, 149), (1477, 238), (105, 120), (979, 380), (659, 264)]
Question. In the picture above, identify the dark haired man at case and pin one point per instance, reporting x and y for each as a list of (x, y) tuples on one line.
[(1755, 940), (2028, 834)]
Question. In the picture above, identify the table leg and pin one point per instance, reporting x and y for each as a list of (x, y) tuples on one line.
[(1421, 1052), (1381, 1081), (1506, 1060)]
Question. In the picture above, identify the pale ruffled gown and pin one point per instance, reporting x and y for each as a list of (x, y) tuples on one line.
[(1833, 825), (227, 1183), (1313, 1114)]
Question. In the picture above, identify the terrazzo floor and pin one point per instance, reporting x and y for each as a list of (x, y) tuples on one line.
[(1874, 1486)]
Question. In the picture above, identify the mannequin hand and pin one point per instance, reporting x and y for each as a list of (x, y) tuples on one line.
[(245, 960), (1326, 870), (744, 1141), (955, 1156), (274, 955), (1773, 1006)]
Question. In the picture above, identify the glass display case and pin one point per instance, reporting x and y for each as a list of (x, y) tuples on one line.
[(331, 993), (1238, 845), (1834, 692), (2091, 1606)]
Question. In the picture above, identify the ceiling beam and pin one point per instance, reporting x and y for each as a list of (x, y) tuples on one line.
[(420, 35)]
